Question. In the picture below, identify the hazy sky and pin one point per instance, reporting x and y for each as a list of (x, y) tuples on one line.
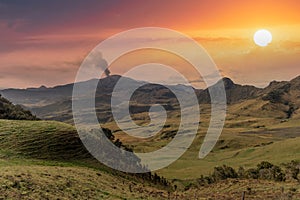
[(44, 42)]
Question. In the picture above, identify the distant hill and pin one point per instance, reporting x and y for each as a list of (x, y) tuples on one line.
[(33, 97), (234, 92), (278, 99), (11, 111), (55, 103)]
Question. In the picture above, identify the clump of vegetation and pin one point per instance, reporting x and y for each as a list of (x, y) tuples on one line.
[(268, 171), (264, 171), (16, 112), (223, 172), (292, 170), (219, 173)]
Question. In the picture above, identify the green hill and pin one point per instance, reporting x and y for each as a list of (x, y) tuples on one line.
[(41, 139), (46, 160)]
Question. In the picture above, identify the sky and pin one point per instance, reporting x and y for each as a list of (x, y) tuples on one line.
[(45, 42)]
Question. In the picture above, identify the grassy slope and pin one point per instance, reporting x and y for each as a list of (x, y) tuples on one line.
[(36, 161), (189, 166), (40, 159), (56, 182), (247, 139), (40, 139)]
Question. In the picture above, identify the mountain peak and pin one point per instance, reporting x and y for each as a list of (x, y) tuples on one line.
[(228, 83), (274, 83), (42, 87)]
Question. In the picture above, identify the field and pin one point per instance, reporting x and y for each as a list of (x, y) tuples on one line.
[(40, 159), (246, 140), (45, 159)]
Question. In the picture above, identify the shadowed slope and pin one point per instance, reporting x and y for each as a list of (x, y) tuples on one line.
[(11, 111)]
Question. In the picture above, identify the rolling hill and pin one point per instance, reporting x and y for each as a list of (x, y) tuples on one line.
[(46, 160)]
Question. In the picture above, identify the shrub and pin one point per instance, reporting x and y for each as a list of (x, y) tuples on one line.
[(292, 169), (264, 165), (224, 172), (264, 170), (268, 171), (251, 173), (241, 172)]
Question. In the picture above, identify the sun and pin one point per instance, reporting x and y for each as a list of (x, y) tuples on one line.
[(262, 37)]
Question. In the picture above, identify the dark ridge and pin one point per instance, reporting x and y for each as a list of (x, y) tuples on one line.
[(11, 111)]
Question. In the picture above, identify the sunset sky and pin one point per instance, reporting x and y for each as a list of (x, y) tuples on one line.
[(44, 42)]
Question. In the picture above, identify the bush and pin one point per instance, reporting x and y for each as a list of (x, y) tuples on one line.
[(269, 171), (205, 180), (241, 172), (224, 172), (264, 170), (251, 173), (292, 169), (264, 165)]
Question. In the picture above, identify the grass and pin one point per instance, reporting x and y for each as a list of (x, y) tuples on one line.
[(247, 139), (46, 160), (235, 148), (31, 149), (41, 139), (248, 154), (54, 182), (254, 189)]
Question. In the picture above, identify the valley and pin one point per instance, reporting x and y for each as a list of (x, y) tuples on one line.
[(261, 126)]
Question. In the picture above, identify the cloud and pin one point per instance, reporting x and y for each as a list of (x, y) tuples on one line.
[(291, 45), (36, 17), (218, 39), (259, 65), (40, 37)]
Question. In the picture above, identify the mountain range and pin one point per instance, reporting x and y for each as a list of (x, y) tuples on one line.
[(278, 99)]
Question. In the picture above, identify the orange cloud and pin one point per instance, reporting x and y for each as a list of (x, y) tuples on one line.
[(46, 47)]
